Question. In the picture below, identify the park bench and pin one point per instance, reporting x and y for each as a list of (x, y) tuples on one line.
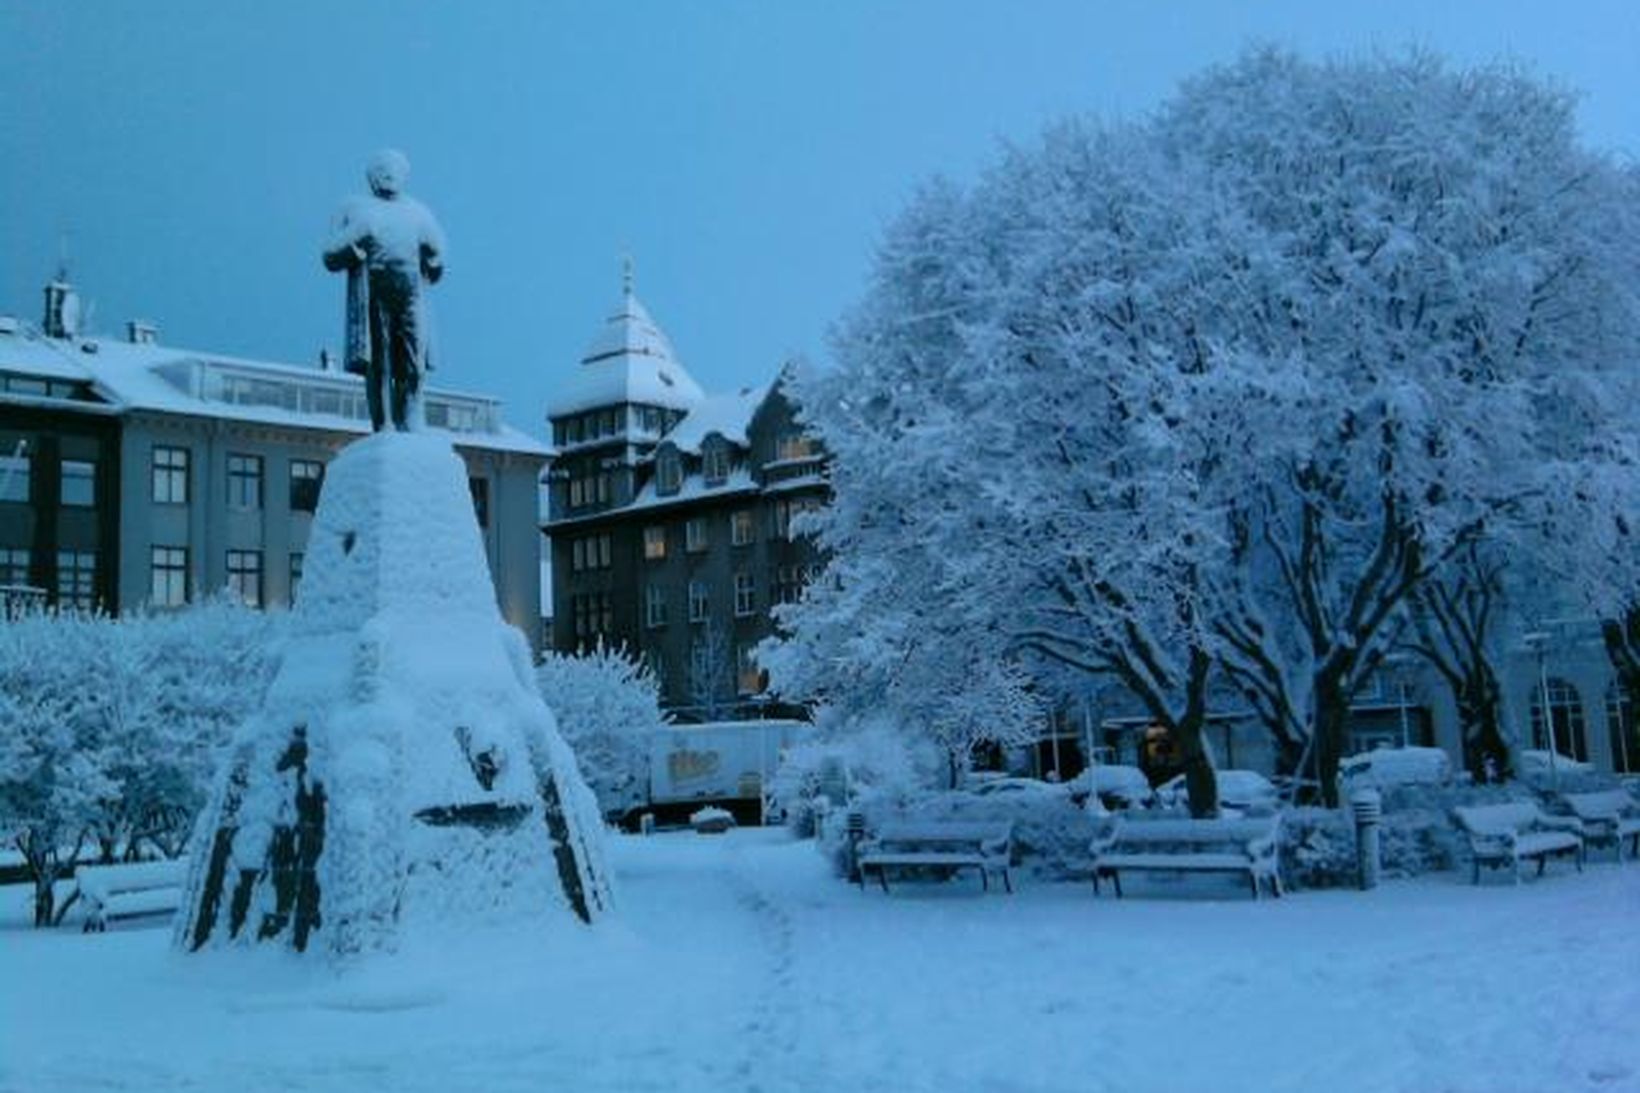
[(1608, 816), (940, 846), (133, 890), (1508, 834), (1243, 845)]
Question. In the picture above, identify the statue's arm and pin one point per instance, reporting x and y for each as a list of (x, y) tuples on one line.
[(345, 249), (432, 249)]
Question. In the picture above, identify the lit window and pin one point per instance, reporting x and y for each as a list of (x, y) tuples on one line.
[(745, 594), (306, 477), (79, 484), (654, 542), (740, 527), (170, 475), (794, 446), (168, 576), (700, 603), (244, 481), (245, 576), (694, 534), (748, 677)]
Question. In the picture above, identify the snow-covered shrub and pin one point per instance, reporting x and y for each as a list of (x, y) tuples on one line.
[(1417, 834), (857, 762), (608, 708), (113, 728)]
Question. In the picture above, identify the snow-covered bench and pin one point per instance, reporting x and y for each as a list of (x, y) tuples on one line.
[(939, 845), (1609, 816), (129, 891), (1505, 835), (1247, 845)]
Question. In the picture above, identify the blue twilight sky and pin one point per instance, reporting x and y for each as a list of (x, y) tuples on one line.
[(748, 154)]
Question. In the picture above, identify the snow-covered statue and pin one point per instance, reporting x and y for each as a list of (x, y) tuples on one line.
[(389, 244)]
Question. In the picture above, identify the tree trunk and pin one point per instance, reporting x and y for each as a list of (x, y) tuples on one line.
[(45, 899), (1480, 711), (1199, 779), (1332, 717)]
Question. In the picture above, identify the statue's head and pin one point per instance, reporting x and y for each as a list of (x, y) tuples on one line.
[(387, 172)]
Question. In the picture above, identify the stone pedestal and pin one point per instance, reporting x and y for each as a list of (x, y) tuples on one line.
[(403, 774)]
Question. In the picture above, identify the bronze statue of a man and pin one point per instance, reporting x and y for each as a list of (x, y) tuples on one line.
[(389, 244)]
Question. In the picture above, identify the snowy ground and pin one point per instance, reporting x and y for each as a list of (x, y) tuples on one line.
[(739, 964)]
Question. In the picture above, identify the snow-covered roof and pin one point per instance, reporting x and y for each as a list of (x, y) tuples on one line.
[(630, 360), (150, 377), (727, 415)]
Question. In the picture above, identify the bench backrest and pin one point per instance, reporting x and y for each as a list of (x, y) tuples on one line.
[(1493, 819), (1601, 805), (102, 881), (1208, 832), (906, 833)]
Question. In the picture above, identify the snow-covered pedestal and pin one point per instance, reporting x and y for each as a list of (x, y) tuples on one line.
[(403, 775)]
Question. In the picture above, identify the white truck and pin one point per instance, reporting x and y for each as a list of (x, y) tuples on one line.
[(727, 763)]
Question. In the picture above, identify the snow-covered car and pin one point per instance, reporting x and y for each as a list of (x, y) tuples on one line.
[(1533, 765), (1015, 787), (1237, 789), (1385, 767), (1117, 787)]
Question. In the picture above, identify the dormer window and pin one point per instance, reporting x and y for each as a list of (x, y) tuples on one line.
[(794, 446), (716, 457), (669, 475)]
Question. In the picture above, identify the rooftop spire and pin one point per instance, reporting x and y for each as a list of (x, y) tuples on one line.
[(628, 270)]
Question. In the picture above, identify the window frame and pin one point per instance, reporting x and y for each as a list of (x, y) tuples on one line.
[(244, 481), (170, 474), (171, 564), (244, 573)]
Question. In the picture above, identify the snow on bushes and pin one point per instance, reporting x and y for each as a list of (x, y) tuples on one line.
[(608, 707), (113, 728)]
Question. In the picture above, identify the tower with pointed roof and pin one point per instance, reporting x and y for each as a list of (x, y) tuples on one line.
[(670, 516)]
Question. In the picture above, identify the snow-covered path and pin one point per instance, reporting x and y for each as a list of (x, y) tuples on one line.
[(739, 965)]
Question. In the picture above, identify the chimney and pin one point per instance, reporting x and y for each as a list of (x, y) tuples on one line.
[(141, 332), (62, 318)]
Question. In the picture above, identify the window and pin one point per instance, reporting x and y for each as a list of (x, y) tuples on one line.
[(593, 613), (578, 555), (694, 534), (785, 510), (306, 476), (480, 489), (700, 602), (14, 562), (79, 485), (670, 473), (745, 594), (245, 576), (591, 552), (788, 584), (717, 462), (748, 677), (168, 576), (244, 481), (654, 606), (170, 476), (295, 573), (1565, 715), (14, 476), (793, 446), (77, 579), (605, 550), (740, 527), (654, 542)]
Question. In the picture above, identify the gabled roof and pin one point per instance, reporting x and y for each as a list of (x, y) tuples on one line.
[(727, 415), (629, 361)]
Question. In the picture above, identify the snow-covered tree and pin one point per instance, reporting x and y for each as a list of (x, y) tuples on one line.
[(1225, 387), (112, 728), (1436, 322), (608, 709)]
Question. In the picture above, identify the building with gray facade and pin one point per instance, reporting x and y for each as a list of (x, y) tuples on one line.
[(134, 474)]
